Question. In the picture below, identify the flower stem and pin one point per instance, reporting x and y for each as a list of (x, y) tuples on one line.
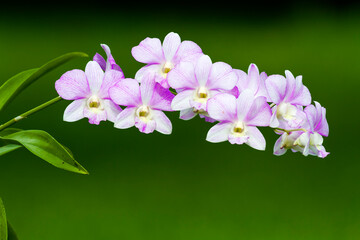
[(28, 113), (290, 130)]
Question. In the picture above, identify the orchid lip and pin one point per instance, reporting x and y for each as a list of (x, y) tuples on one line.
[(95, 103)]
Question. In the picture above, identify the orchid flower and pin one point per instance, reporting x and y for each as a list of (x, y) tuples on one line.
[(253, 81), (196, 84), (161, 59), (288, 94), (110, 61), (238, 118), (309, 138), (89, 90), (145, 104)]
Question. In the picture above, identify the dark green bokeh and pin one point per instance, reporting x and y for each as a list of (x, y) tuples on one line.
[(180, 186)]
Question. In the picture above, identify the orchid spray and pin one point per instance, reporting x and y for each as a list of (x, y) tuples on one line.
[(177, 76)]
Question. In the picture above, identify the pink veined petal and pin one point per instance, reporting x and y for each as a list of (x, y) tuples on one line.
[(110, 63), (274, 121), (323, 127), (202, 70), (163, 123), (148, 69), (126, 118), (311, 115), (222, 107), (303, 97), (111, 77), (161, 98), (95, 117), (221, 77), (112, 110), (219, 132), (187, 114), (170, 45), (145, 127), (75, 110), (253, 78), (276, 87), (100, 60), (182, 100), (73, 85), (188, 51), (244, 103), (290, 86), (126, 93), (148, 51), (147, 88), (256, 139), (262, 89), (242, 82), (259, 113), (182, 76), (95, 76), (278, 149), (233, 139)]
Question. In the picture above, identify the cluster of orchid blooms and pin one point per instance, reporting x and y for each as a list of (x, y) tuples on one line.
[(179, 77)]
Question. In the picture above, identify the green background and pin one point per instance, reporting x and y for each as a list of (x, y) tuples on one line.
[(180, 186)]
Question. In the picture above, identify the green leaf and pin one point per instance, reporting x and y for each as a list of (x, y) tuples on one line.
[(11, 233), (12, 87), (9, 148), (3, 222), (8, 131), (43, 145)]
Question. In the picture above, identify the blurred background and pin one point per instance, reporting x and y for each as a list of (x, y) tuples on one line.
[(181, 187)]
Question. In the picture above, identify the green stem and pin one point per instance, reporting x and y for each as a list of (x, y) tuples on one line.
[(28, 113), (290, 130)]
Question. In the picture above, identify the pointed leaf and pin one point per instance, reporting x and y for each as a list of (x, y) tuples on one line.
[(9, 148), (3, 222), (12, 87), (43, 145), (11, 233)]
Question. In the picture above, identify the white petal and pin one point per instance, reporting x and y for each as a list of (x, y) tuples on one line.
[(256, 139), (163, 124), (112, 110), (219, 133), (126, 118), (170, 45), (95, 76), (182, 100), (75, 111)]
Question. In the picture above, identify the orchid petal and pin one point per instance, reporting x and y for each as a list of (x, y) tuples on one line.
[(145, 127), (75, 110), (182, 76), (187, 114), (202, 70), (148, 51), (170, 45), (95, 76), (182, 100), (222, 77), (73, 85), (111, 77), (276, 87), (256, 139), (95, 117), (222, 107), (188, 51), (219, 132), (244, 103), (126, 93), (126, 118), (259, 113), (112, 110), (163, 124), (100, 60)]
